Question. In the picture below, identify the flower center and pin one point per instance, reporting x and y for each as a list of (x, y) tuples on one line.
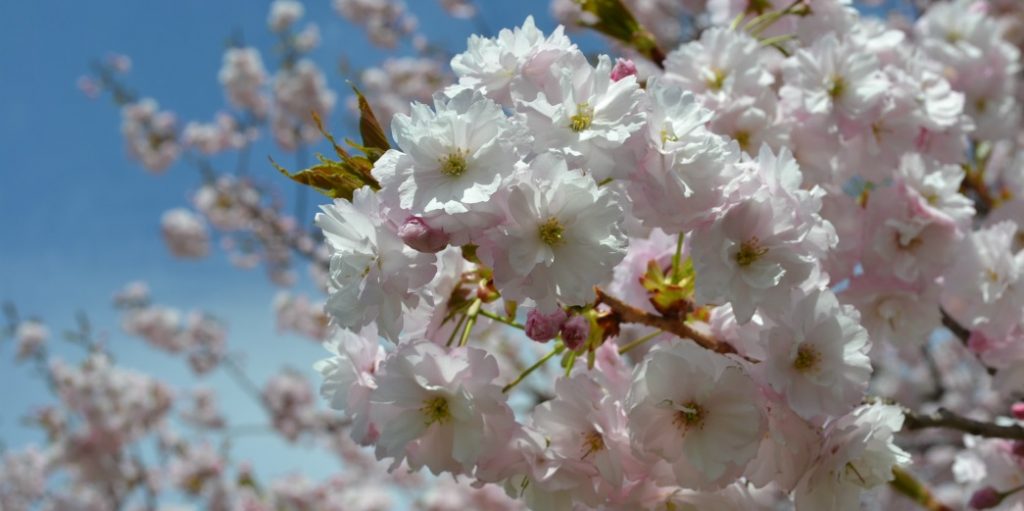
[(435, 409), (551, 232), (454, 164), (749, 252), (668, 136), (837, 86), (593, 442), (717, 80), (583, 118), (992, 275), (689, 415), (911, 244), (743, 139), (806, 359)]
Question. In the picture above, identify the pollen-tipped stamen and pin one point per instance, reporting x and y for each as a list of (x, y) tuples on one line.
[(583, 119), (593, 443), (807, 358), (551, 232), (454, 163), (436, 410), (690, 415), (749, 252)]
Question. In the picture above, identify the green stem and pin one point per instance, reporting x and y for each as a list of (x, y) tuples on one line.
[(455, 330), (471, 315), (558, 349), (499, 319), (677, 257), (777, 40), (632, 344), (905, 483)]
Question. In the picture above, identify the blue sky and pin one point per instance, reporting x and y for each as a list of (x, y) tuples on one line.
[(80, 219)]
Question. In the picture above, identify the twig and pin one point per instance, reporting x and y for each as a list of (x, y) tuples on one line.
[(961, 332), (943, 418), (243, 380), (629, 314), (958, 330)]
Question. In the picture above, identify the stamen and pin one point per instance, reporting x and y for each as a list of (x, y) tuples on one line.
[(551, 232), (454, 164), (435, 409), (583, 118), (749, 252)]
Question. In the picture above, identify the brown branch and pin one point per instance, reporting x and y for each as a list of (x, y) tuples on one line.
[(960, 331), (628, 314), (943, 418)]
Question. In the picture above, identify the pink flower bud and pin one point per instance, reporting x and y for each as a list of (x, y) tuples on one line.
[(986, 498), (622, 69), (421, 237), (544, 327), (1018, 410), (575, 332)]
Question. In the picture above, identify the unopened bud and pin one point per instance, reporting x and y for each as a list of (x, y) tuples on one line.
[(421, 237), (544, 327), (1018, 410), (622, 69), (986, 498), (575, 332)]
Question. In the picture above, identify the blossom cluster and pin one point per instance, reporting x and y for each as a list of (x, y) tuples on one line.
[(794, 196), (731, 269)]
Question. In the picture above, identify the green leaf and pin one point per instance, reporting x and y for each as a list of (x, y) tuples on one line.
[(338, 180), (369, 128), (614, 20), (342, 154)]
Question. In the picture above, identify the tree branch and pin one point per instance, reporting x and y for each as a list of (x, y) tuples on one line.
[(628, 314), (958, 330), (961, 332), (943, 418)]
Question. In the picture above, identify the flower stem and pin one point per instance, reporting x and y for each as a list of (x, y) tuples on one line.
[(558, 349), (905, 483), (633, 344), (451, 338), (677, 257), (499, 319), (471, 315)]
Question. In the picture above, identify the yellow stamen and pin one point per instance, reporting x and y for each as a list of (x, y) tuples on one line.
[(551, 232), (583, 119)]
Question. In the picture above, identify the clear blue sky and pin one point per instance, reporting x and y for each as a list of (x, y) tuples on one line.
[(79, 219)]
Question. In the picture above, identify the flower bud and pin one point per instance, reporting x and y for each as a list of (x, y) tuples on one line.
[(421, 237), (544, 327), (622, 69), (575, 332), (1018, 410), (986, 498)]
